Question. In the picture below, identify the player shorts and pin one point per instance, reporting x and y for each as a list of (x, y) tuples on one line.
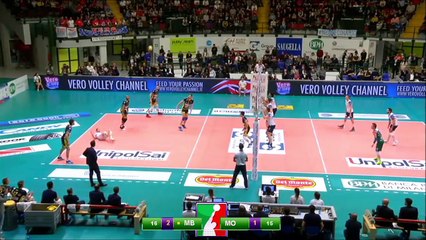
[(350, 114), (392, 128), (65, 142), (246, 131), (185, 111), (379, 146), (271, 128)]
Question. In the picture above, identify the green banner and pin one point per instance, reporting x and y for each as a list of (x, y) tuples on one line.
[(183, 45)]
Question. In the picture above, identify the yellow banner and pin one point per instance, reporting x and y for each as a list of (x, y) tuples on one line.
[(239, 106), (286, 107), (183, 45)]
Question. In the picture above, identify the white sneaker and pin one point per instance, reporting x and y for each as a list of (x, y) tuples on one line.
[(395, 142)]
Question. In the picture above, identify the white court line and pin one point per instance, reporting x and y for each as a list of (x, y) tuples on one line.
[(198, 139), (78, 138), (318, 145)]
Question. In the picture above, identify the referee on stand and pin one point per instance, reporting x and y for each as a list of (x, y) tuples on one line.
[(240, 160), (92, 161)]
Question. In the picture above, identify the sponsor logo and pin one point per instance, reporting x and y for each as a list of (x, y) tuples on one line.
[(10, 141), (231, 85), (44, 119), (386, 163), (278, 145), (363, 116), (283, 88), (316, 44), (211, 214), (12, 88), (171, 111), (133, 155), (384, 185), (112, 174), (230, 112), (289, 183), (292, 183), (52, 82), (214, 180), (38, 128), (24, 150)]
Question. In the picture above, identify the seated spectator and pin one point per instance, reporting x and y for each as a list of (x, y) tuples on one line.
[(297, 198), (317, 201), (408, 212), (115, 200), (70, 198), (259, 212), (96, 197), (189, 213), (268, 196), (312, 224), (21, 194), (353, 228), (49, 195), (6, 184), (288, 225), (384, 211), (210, 197), (242, 212)]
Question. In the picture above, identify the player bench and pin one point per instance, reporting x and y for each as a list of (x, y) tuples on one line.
[(135, 213), (370, 227)]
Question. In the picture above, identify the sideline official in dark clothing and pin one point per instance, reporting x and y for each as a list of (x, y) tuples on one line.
[(240, 160), (353, 228), (408, 212), (384, 211), (92, 161)]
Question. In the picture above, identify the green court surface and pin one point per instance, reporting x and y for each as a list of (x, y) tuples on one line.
[(164, 198)]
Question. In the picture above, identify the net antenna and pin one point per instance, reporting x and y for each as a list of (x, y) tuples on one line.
[(258, 94)]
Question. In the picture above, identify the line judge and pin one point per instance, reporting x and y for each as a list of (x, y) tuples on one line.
[(92, 161), (240, 160)]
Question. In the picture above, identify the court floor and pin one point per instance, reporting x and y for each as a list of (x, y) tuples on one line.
[(152, 160)]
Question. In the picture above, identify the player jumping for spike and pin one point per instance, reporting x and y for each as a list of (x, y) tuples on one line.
[(124, 112), (246, 129), (154, 102), (392, 126), (378, 141), (349, 113), (187, 106)]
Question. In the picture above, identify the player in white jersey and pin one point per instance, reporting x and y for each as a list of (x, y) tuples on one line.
[(273, 103), (102, 135), (242, 86), (259, 67), (349, 113), (392, 126), (271, 126)]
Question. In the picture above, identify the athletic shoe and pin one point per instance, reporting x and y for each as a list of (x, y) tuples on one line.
[(180, 128), (270, 147), (395, 143), (184, 126), (148, 116), (160, 113), (340, 126), (352, 130), (70, 162), (379, 161), (60, 158)]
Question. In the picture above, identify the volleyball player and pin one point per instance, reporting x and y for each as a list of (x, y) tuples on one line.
[(102, 135), (187, 106), (270, 131), (65, 139), (378, 141), (349, 113), (242, 86), (246, 129), (124, 111), (154, 102), (392, 126)]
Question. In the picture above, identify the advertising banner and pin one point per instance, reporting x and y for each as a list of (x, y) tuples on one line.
[(238, 43), (18, 86), (184, 45), (102, 31), (292, 46), (342, 88), (336, 46), (337, 33)]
